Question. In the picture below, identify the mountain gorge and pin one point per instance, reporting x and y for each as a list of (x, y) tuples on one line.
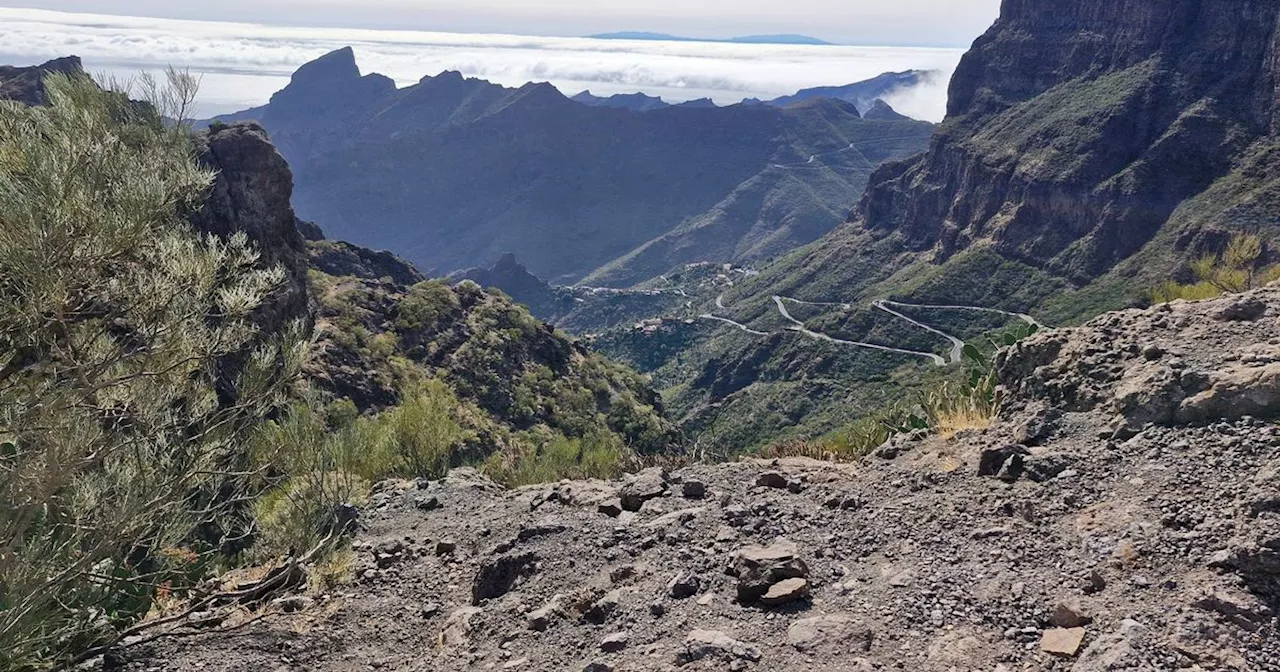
[(453, 172), (1019, 410), (1073, 153), (1088, 154)]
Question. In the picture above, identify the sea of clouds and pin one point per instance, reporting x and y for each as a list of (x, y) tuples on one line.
[(242, 64)]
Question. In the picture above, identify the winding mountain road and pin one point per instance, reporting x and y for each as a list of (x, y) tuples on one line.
[(957, 345), (1021, 316), (954, 356), (739, 325), (799, 326)]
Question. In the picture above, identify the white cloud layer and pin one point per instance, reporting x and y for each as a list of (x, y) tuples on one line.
[(243, 63)]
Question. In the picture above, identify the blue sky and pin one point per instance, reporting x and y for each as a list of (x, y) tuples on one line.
[(892, 22)]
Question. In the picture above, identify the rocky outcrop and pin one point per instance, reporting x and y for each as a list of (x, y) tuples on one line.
[(26, 85), (1182, 363), (344, 259), (1076, 129), (251, 195), (510, 276), (1154, 549)]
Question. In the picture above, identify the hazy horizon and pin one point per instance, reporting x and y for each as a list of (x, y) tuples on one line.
[(943, 23), (242, 64)]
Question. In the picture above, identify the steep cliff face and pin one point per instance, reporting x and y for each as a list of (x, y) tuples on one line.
[(1075, 129)]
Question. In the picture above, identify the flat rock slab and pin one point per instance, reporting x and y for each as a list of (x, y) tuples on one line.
[(1064, 642), (830, 634), (785, 592), (781, 550)]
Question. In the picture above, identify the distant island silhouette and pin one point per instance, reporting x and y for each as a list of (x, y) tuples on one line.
[(748, 39)]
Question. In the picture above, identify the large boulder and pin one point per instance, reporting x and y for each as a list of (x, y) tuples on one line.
[(646, 485), (759, 568)]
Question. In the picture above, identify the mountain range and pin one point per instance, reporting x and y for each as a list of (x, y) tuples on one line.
[(868, 95), (454, 172), (1070, 176)]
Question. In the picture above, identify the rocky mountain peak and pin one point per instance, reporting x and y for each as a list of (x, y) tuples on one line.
[(509, 275), (448, 76), (513, 278), (329, 86), (637, 102), (507, 263), (335, 66), (251, 194), (26, 84), (882, 111)]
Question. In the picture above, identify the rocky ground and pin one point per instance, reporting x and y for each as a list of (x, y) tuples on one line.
[(1124, 514)]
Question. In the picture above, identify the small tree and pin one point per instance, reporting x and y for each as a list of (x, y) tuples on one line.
[(116, 323), (1238, 269)]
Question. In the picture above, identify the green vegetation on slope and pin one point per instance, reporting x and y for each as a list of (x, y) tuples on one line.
[(522, 388), (1237, 269), (131, 372)]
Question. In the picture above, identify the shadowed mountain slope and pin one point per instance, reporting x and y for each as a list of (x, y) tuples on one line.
[(453, 172)]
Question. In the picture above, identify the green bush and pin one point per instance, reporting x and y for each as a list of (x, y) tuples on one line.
[(317, 462), (425, 309), (314, 463), (118, 325), (542, 459), (855, 440), (423, 432)]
